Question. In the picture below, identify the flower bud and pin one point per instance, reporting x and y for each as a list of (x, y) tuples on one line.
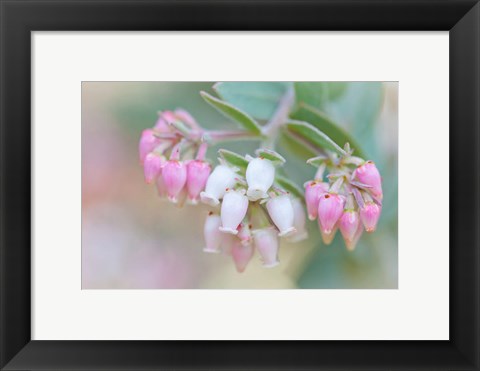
[(299, 220), (368, 174), (280, 210), (213, 237), (174, 175), (234, 209), (330, 208), (181, 198), (348, 224), (327, 238), (260, 175), (221, 178), (228, 241), (241, 254), (369, 214), (161, 188), (148, 142), (266, 242), (186, 117), (313, 191), (245, 234), (164, 120), (358, 233), (197, 175), (152, 166)]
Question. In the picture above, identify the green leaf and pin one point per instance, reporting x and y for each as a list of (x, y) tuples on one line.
[(336, 89), (296, 146), (289, 186), (273, 156), (323, 123), (233, 159), (312, 93), (358, 110), (310, 133), (259, 99), (359, 106), (233, 113)]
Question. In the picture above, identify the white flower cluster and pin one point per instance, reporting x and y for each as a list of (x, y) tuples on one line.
[(250, 213)]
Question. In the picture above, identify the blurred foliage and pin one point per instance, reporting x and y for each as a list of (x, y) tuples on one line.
[(259, 99)]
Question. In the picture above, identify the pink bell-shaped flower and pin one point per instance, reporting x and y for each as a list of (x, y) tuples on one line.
[(368, 174), (330, 208), (148, 142), (161, 188), (358, 233), (221, 178), (260, 175), (187, 118), (197, 176), (164, 120), (327, 238), (152, 166), (266, 242), (299, 221), (241, 254), (280, 210), (245, 234), (348, 224), (313, 191), (213, 237), (234, 208), (369, 214), (174, 175), (181, 198), (228, 241)]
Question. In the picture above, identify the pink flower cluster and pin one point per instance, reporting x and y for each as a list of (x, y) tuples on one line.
[(166, 156), (350, 201), (250, 213)]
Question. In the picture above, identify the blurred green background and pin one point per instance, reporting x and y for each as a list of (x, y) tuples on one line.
[(131, 239)]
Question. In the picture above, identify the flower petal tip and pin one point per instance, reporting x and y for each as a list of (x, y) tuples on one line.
[(287, 232), (211, 251), (350, 245), (256, 194), (228, 230), (209, 200)]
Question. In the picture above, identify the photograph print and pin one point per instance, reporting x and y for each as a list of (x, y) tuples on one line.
[(240, 185)]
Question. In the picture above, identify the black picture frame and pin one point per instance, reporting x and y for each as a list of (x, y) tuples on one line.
[(19, 18)]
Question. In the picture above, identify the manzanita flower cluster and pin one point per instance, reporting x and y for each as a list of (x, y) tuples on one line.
[(251, 212), (251, 206), (348, 199), (164, 153)]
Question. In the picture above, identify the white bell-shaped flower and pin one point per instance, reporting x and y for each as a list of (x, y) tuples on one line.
[(266, 242), (260, 175), (299, 220), (234, 208), (280, 209), (213, 237), (221, 178)]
